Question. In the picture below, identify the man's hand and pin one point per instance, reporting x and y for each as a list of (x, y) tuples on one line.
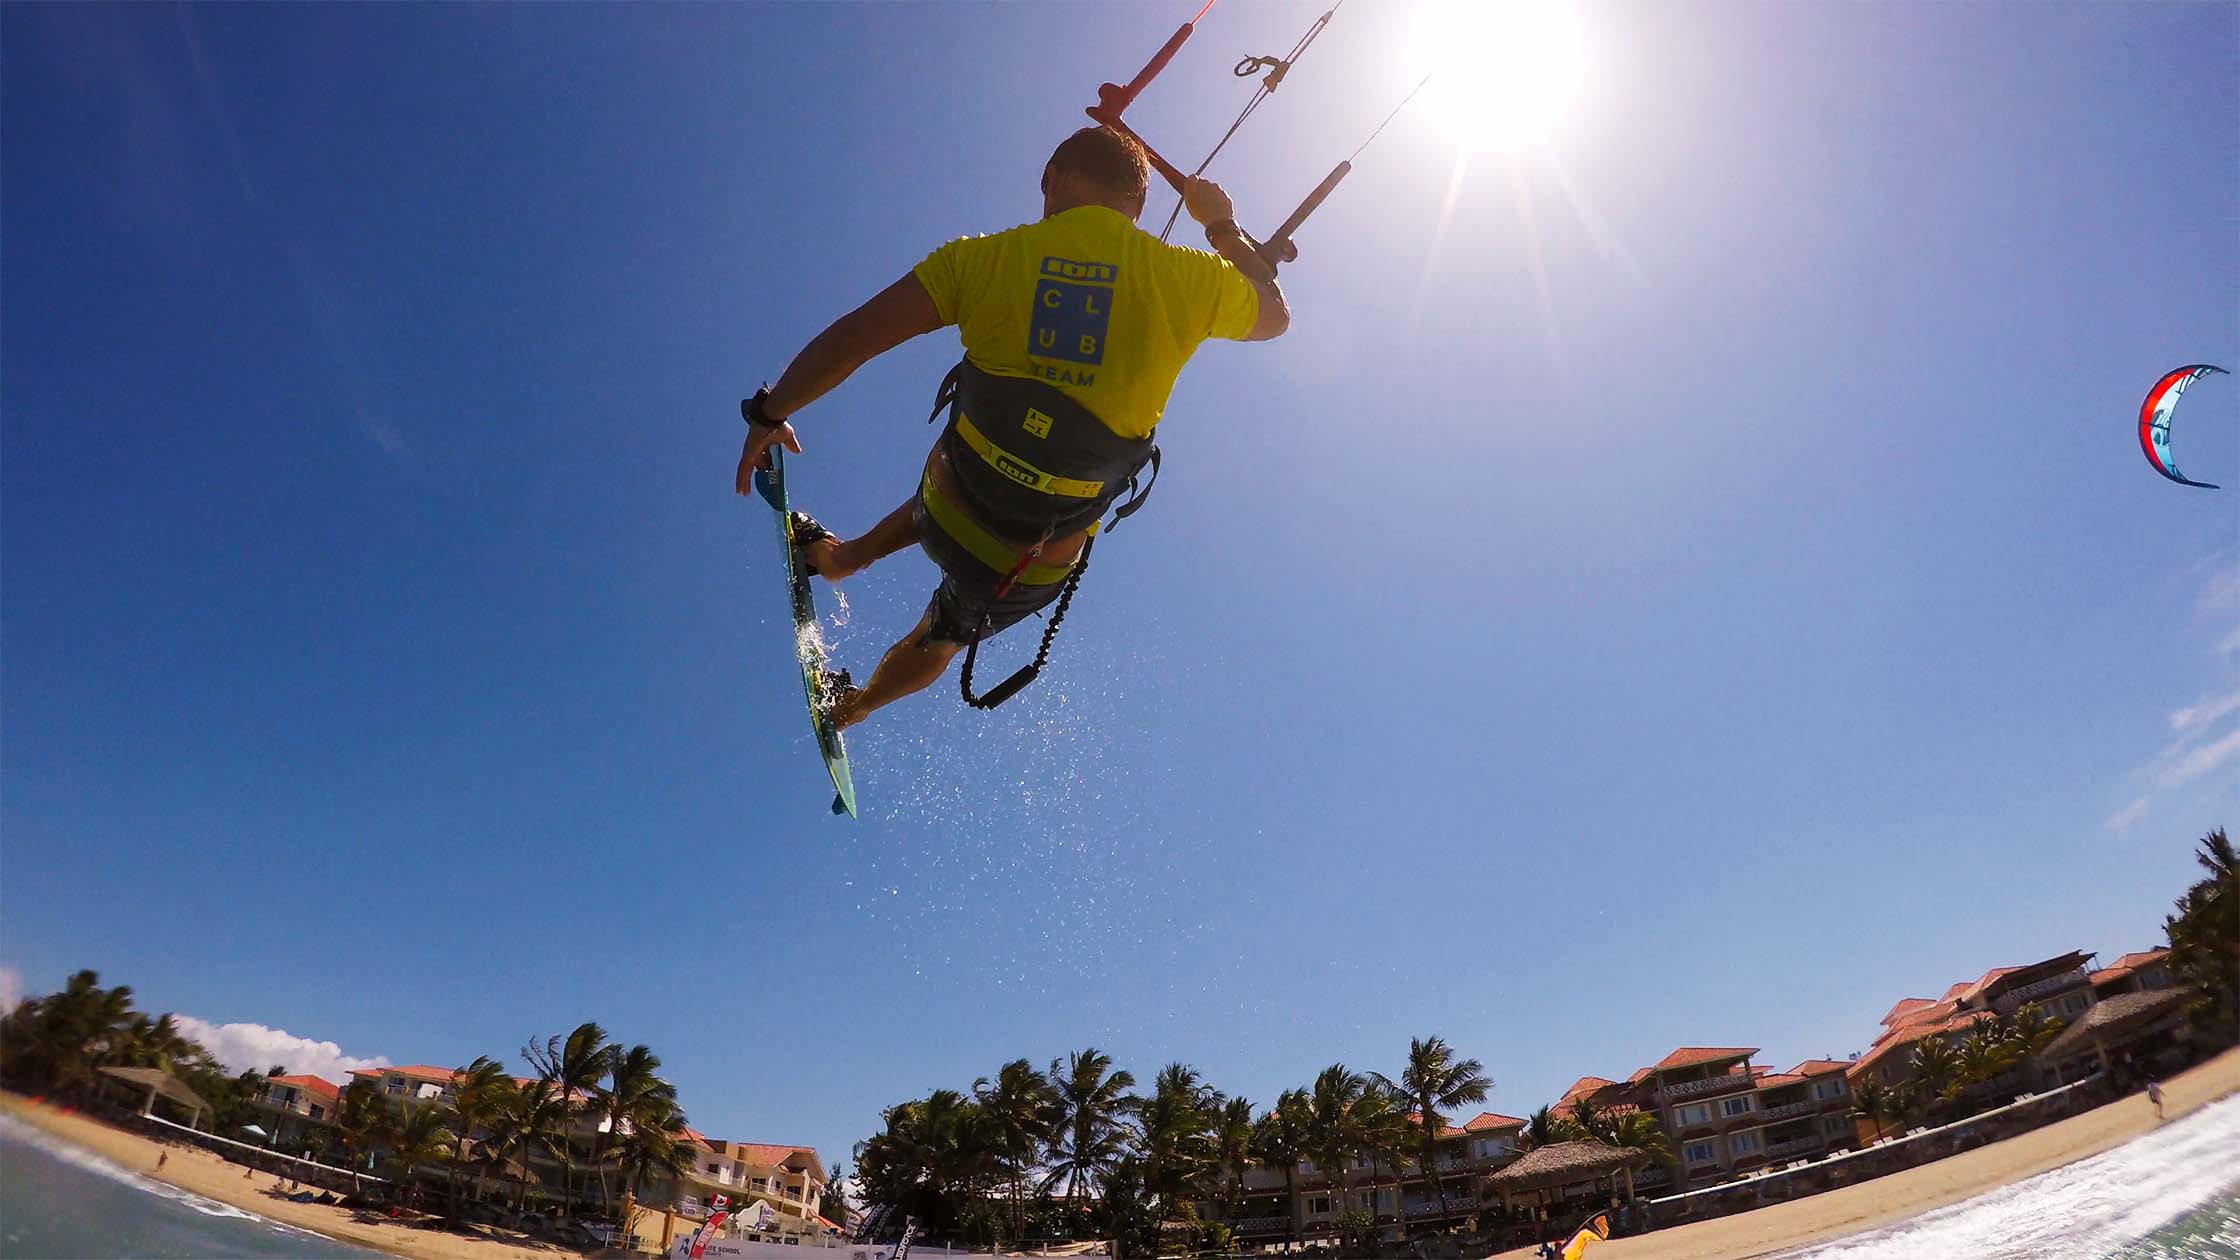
[(1206, 202), (756, 453)]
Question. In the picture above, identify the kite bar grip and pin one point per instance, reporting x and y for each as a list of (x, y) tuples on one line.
[(1115, 98), (1278, 248), (1010, 687)]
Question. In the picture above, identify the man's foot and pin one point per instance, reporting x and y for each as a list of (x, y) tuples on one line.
[(813, 545), (838, 692)]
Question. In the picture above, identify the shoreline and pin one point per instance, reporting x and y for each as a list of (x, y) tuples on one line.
[(201, 1172), (1779, 1228), (1753, 1235)]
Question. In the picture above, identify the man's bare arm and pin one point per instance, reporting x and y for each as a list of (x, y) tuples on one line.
[(901, 311), (1209, 205)]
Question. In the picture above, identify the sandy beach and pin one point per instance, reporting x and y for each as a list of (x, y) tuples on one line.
[(1851, 1209), (204, 1173)]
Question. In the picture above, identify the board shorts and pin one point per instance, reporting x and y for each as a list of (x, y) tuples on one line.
[(964, 551)]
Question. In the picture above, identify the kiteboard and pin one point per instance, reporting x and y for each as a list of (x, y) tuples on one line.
[(808, 641)]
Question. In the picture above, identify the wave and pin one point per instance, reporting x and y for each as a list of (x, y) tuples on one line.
[(2082, 1211), (14, 1130)]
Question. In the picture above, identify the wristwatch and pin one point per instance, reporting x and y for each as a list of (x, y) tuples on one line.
[(750, 410)]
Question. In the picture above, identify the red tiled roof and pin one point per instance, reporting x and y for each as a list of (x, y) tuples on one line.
[(413, 1071), (1490, 1122), (1952, 994), (1818, 1067), (2127, 964), (1905, 1006), (1900, 1038), (1638, 1073), (1775, 1080), (1691, 1056), (1584, 1085), (318, 1085)]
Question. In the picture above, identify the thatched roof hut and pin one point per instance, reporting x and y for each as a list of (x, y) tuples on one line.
[(1561, 1164), (2113, 1020), (158, 1083)]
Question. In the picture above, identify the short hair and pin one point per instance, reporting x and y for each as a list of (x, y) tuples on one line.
[(1108, 160)]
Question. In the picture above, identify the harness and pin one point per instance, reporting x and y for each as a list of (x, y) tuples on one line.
[(1029, 462)]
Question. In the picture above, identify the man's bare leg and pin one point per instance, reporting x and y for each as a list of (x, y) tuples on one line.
[(909, 667), (836, 558)]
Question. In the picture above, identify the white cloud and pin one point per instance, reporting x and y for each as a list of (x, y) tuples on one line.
[(2129, 814), (246, 1047), (11, 988), (2202, 760), (2204, 713)]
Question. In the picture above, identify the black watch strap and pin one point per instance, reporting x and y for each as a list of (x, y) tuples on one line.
[(750, 410)]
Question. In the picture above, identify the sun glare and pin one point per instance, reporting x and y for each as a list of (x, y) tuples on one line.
[(1502, 71)]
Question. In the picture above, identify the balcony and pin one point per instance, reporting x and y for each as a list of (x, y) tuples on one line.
[(1261, 1225), (1707, 1087), (1786, 1110), (1794, 1146), (2012, 998), (1457, 1205)]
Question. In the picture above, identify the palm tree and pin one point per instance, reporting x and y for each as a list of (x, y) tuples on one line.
[(1279, 1140), (530, 1119), (1019, 1107), (1435, 1084), (1332, 1132), (1875, 1102), (1176, 1136), (361, 1120), (634, 1094), (1935, 1068), (655, 1144), (1637, 1131), (1588, 1122), (1984, 1056), (1232, 1147), (478, 1095), (573, 1067), (1092, 1098), (1542, 1129), (1385, 1134), (417, 1137), (2204, 936)]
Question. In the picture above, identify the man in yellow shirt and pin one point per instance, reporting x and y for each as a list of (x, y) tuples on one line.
[(1074, 329)]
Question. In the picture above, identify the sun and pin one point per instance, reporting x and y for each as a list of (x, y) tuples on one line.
[(1502, 71)]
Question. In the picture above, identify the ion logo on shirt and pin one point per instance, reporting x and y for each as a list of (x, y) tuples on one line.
[(1072, 310)]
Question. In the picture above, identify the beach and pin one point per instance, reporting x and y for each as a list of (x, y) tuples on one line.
[(1868, 1205), (203, 1173)]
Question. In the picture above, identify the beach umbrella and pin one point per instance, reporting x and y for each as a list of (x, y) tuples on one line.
[(250, 1128)]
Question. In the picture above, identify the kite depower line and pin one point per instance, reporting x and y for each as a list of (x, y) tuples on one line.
[(1113, 100)]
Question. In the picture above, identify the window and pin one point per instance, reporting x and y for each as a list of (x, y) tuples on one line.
[(1735, 1106), (1829, 1088), (318, 1112), (1744, 1143), (2075, 1002), (1700, 1153), (1835, 1124), (1692, 1114), (1319, 1205)]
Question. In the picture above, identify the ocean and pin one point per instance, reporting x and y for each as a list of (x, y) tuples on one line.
[(2171, 1194), (58, 1202)]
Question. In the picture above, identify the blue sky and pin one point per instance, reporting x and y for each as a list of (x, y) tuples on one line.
[(1693, 582)]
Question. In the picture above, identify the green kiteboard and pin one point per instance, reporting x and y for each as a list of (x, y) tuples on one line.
[(808, 641)]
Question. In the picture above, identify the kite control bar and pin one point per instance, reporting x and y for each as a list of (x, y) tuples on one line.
[(1113, 100)]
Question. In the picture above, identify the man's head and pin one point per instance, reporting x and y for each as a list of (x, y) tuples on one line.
[(1096, 167)]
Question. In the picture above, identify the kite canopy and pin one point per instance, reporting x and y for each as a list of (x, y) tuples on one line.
[(2154, 419)]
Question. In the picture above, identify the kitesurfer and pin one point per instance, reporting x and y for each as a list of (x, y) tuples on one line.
[(1074, 329)]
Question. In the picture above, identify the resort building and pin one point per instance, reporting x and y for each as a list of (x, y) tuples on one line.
[(1401, 1200), (298, 1108), (773, 1190), (2143, 972), (1724, 1115), (419, 1082), (2063, 986)]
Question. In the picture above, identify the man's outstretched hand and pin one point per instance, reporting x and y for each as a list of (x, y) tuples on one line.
[(756, 453)]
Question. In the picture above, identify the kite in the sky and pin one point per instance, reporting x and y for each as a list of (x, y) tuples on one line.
[(2154, 419)]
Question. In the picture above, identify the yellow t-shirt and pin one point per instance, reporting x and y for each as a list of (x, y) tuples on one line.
[(1092, 304)]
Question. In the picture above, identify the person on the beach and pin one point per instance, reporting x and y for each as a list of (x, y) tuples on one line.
[(1074, 329), (163, 1156), (2154, 1095)]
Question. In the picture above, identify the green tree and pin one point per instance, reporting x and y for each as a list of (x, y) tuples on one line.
[(1876, 1103), (1279, 1140), (1232, 1147), (573, 1066), (1638, 1131), (1333, 1133), (1020, 1108), (417, 1137), (1176, 1134), (1090, 1135), (2204, 938), (633, 1096), (1436, 1085), (1936, 1070), (479, 1092), (1541, 1128)]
